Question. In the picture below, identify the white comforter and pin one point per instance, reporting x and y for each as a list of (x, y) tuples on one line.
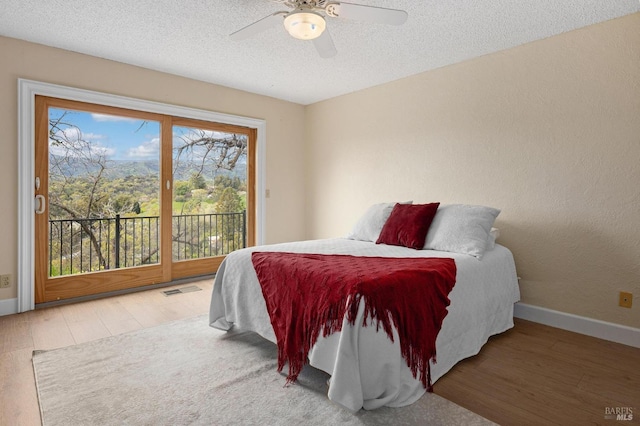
[(367, 369)]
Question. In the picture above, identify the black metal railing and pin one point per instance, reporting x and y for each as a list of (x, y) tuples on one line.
[(204, 235), (88, 245)]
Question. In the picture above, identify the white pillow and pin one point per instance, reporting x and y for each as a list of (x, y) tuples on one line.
[(461, 228), (370, 224), (493, 236)]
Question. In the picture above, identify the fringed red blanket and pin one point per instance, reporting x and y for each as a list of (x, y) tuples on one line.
[(309, 294)]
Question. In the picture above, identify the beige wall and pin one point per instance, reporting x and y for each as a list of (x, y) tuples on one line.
[(549, 132), (18, 59)]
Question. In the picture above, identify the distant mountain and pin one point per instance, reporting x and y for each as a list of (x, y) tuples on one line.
[(117, 169), (123, 168)]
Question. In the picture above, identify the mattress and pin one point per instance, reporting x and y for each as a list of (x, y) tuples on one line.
[(367, 369)]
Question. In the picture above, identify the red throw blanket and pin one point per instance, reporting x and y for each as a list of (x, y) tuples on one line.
[(311, 293)]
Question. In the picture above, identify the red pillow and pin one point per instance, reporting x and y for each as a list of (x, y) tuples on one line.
[(408, 225)]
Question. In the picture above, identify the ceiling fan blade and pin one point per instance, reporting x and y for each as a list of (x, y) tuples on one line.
[(259, 26), (360, 12), (324, 45)]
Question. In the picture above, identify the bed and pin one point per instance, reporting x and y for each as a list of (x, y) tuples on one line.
[(366, 367)]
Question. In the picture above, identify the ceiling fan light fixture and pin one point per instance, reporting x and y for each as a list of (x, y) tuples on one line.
[(305, 25)]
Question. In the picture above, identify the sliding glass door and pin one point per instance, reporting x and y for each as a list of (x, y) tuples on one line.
[(129, 198)]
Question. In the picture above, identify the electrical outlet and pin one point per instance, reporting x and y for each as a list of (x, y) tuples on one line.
[(5, 281), (626, 299)]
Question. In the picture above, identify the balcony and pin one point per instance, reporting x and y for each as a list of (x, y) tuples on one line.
[(79, 246)]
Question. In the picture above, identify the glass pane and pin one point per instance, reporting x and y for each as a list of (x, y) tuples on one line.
[(103, 192), (209, 192)]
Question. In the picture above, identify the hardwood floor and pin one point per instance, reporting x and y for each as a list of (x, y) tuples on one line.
[(67, 325), (537, 375), (530, 375)]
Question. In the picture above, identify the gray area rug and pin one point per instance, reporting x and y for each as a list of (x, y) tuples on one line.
[(187, 373)]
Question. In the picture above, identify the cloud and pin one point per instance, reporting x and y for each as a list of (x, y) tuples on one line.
[(148, 149), (93, 136), (94, 150), (74, 134), (76, 143), (108, 117)]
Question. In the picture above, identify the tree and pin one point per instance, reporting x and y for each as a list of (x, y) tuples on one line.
[(181, 190), (200, 149), (220, 183), (196, 181), (136, 208), (75, 154), (230, 202), (84, 189)]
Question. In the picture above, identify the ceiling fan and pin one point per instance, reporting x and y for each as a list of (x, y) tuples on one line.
[(307, 20)]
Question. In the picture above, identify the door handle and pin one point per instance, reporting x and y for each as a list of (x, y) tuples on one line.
[(40, 202)]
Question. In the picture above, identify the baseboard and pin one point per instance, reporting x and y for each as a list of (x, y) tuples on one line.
[(8, 306), (591, 327)]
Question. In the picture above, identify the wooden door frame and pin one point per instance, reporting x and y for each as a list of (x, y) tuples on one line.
[(27, 91)]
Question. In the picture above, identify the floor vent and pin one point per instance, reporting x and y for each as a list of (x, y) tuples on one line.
[(188, 289)]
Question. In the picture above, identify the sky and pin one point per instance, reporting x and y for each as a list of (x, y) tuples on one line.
[(126, 138), (120, 138)]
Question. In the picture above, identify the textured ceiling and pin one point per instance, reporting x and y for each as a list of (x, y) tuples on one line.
[(191, 38)]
